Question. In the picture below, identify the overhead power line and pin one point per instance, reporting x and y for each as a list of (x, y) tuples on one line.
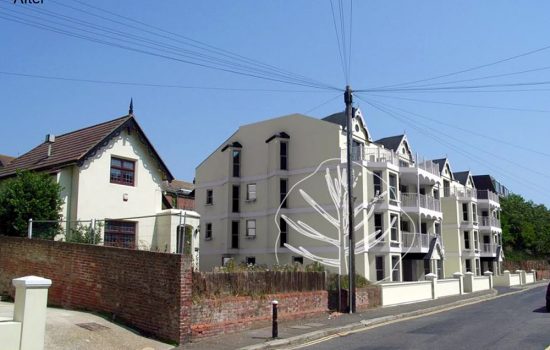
[(460, 87), (151, 53), (156, 85), (435, 135), (510, 58)]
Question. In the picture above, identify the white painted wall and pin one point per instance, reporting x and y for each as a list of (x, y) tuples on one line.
[(406, 292), (448, 287), (481, 283)]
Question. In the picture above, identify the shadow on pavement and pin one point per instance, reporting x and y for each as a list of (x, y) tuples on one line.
[(541, 310)]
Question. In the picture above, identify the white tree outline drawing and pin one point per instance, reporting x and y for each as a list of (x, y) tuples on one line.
[(337, 188)]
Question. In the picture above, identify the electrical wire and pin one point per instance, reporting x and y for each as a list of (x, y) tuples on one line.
[(114, 44), (322, 104), (510, 58), (435, 136), (338, 40), (463, 104), (156, 85), (460, 87), (171, 36)]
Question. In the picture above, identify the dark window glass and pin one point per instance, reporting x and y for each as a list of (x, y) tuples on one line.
[(394, 231), (284, 155), (236, 163), (378, 225), (466, 240), (251, 260), (122, 171), (465, 211), (235, 235), (377, 180), (379, 265), (208, 233), (283, 184), (235, 198), (284, 232), (209, 197), (120, 234), (298, 259)]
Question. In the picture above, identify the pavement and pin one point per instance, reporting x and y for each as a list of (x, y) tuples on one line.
[(68, 329)]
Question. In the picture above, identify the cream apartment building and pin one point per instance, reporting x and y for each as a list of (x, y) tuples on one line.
[(272, 193)]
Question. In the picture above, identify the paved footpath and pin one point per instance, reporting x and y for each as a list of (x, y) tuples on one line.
[(292, 333)]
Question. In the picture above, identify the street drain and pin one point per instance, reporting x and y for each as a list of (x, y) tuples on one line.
[(92, 326)]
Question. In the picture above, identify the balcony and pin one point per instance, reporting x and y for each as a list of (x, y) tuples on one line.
[(488, 221), (488, 195), (379, 155), (466, 193), (489, 250), (413, 200), (416, 242)]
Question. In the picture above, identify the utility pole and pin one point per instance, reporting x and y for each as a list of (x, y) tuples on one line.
[(348, 99)]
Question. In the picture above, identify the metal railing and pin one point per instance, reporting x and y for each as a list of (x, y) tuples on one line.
[(466, 192), (486, 194), (489, 221), (380, 155), (420, 200), (416, 240)]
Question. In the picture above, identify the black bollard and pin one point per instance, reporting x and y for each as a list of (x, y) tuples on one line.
[(275, 325)]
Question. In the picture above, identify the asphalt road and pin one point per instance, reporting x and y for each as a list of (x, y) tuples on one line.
[(517, 321)]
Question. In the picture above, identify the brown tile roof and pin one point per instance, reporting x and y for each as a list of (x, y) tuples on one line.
[(5, 160), (176, 185), (74, 147)]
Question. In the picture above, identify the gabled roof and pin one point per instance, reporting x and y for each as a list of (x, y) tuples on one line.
[(392, 142), (5, 160), (76, 146), (484, 182), (441, 162), (340, 118), (462, 177)]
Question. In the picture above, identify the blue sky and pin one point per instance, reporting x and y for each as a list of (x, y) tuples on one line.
[(392, 42)]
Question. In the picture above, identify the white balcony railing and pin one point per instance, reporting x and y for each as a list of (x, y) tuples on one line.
[(416, 240), (420, 200), (485, 194), (380, 155), (489, 248), (489, 221), (466, 192)]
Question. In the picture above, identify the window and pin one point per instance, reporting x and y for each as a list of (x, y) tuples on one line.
[(438, 228), (235, 235), (377, 180), (356, 151), (478, 267), (476, 241), (236, 163), (122, 171), (284, 232), (395, 274), (283, 152), (393, 187), (226, 260), (235, 198), (466, 239), (379, 266), (209, 197), (283, 185), (120, 234), (439, 264), (423, 227), (405, 226), (468, 265), (251, 260), (464, 211), (298, 260), (474, 212), (208, 232), (251, 228), (378, 225), (251, 192), (394, 230)]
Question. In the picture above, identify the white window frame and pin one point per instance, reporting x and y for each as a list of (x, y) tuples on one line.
[(251, 231)]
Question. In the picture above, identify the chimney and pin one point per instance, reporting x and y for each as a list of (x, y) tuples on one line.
[(50, 139)]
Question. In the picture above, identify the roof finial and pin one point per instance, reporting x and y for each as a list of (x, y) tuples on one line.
[(131, 110)]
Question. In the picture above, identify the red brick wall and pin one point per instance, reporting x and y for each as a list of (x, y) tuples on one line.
[(229, 314), (150, 291), (368, 297)]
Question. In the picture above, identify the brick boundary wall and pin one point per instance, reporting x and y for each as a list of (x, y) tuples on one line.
[(216, 316), (150, 291)]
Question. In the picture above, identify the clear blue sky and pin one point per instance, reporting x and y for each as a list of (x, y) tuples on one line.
[(392, 42)]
